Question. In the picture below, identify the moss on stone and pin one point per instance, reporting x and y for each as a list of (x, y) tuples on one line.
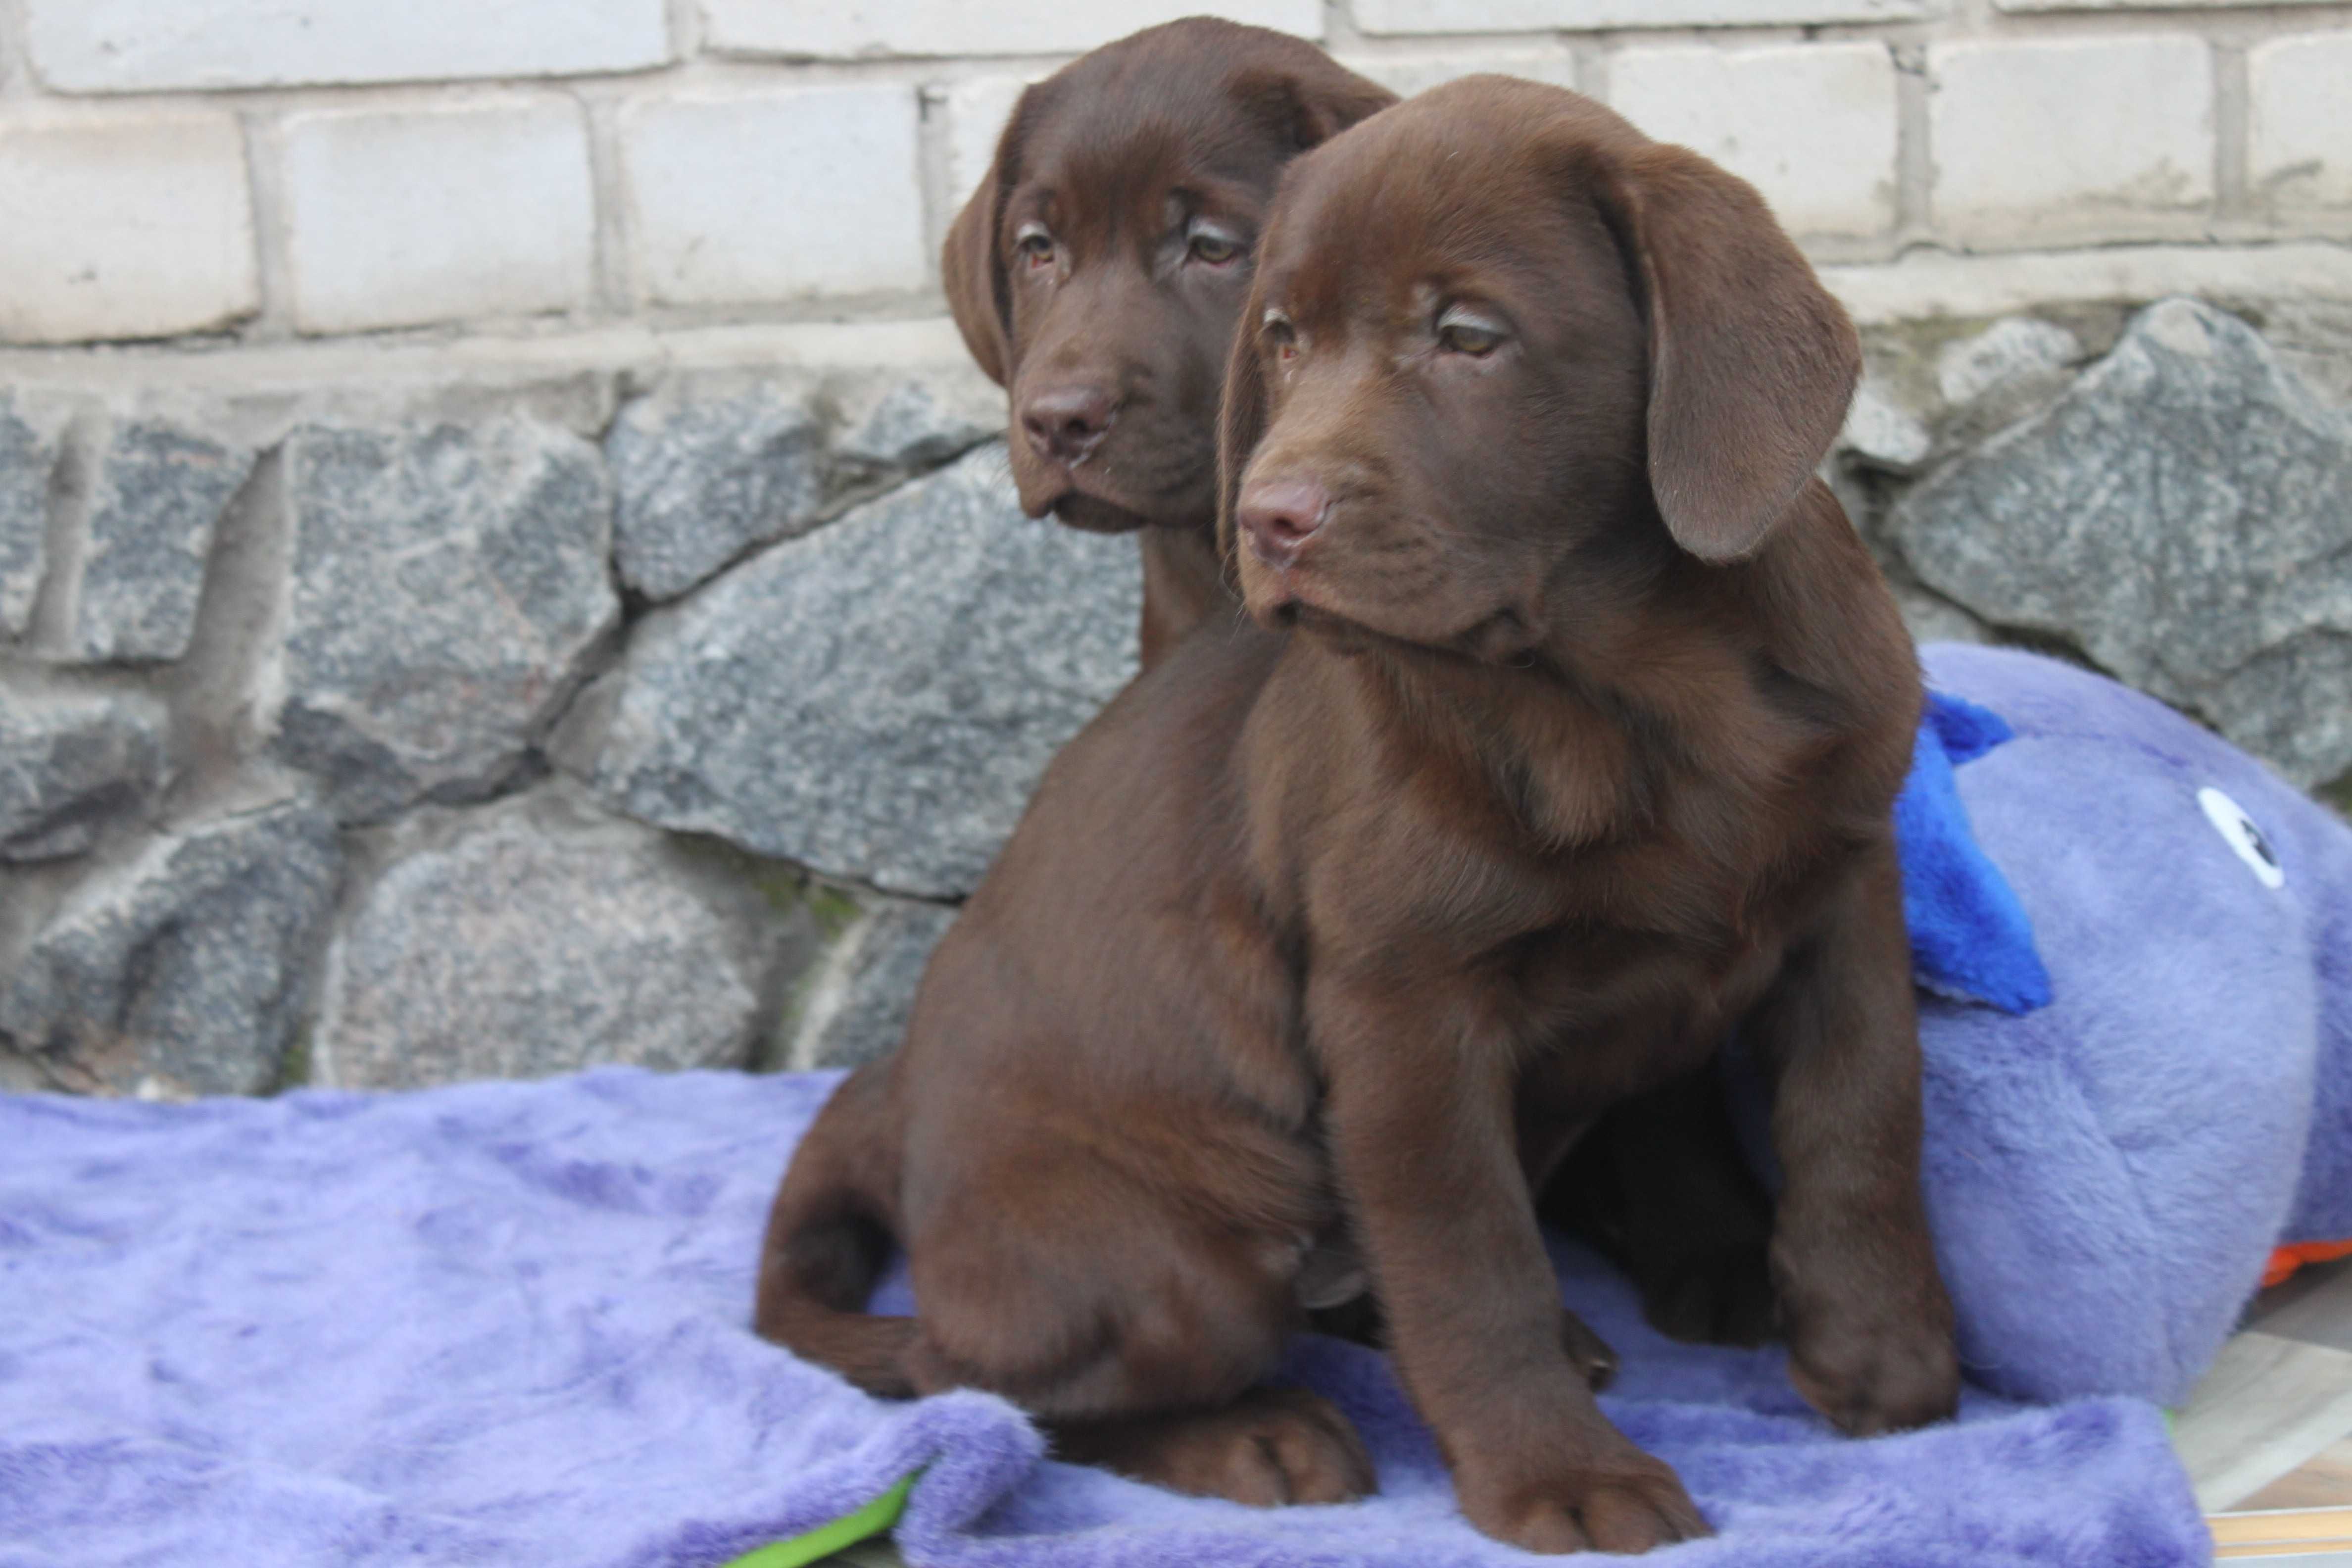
[(2337, 795), (294, 1068), (836, 912)]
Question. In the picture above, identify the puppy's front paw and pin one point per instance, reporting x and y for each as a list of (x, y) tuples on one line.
[(1883, 1376), (1627, 1502)]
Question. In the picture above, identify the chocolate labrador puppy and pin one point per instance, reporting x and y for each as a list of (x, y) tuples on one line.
[(1097, 271), (1564, 739)]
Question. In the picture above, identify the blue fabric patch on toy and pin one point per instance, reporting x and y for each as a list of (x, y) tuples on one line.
[(1969, 936)]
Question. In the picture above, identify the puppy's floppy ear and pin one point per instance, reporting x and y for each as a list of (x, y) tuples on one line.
[(1312, 97), (1241, 422), (968, 270), (971, 270), (1751, 363)]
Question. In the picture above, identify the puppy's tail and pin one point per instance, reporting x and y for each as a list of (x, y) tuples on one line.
[(829, 1235)]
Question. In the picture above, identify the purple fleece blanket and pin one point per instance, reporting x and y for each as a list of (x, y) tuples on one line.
[(506, 1323)]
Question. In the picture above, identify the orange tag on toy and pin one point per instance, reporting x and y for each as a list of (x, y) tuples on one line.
[(2286, 1259)]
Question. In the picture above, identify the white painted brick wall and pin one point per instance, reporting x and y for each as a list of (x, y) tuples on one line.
[(128, 227), (147, 45), (2299, 133), (399, 219), (931, 27), (677, 161), (1811, 126), (775, 196), (1527, 16), (2045, 142)]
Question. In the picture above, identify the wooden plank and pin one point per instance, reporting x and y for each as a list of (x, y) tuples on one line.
[(2322, 1481), (2331, 1526), (2268, 1405)]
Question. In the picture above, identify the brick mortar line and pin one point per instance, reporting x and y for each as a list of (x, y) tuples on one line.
[(1969, 19), (1915, 152), (469, 91), (1757, 34), (1594, 69), (16, 53), (685, 19), (1587, 65), (934, 133), (2187, 235), (633, 338), (537, 356), (614, 291), (2268, 21), (2232, 132), (1975, 21), (265, 175)]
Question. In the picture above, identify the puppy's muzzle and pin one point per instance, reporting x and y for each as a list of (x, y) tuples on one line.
[(1064, 424), (1279, 516)]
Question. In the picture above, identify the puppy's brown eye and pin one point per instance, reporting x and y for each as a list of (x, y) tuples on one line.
[(1213, 247), (1463, 335), (1034, 245)]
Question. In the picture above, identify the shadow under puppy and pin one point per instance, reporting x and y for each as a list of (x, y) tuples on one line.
[(1564, 740), (1097, 273)]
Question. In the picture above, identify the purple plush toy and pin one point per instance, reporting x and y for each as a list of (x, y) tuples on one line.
[(2107, 1174)]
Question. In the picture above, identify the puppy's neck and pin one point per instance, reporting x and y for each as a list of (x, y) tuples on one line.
[(1665, 675), (1185, 585), (1548, 759), (1183, 558)]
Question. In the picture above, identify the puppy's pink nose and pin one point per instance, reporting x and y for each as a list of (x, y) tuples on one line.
[(1279, 515), (1064, 423)]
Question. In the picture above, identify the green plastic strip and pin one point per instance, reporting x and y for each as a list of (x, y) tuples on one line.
[(825, 1540)]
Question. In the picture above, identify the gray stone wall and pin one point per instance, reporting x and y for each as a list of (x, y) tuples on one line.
[(380, 738), (2164, 495), (384, 735)]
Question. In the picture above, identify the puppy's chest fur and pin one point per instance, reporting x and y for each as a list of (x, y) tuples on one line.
[(1591, 872)]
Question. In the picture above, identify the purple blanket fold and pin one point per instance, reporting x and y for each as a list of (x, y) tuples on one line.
[(506, 1323)]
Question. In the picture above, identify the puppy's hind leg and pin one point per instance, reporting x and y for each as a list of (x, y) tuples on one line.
[(1138, 1324), (828, 1238), (1659, 1186)]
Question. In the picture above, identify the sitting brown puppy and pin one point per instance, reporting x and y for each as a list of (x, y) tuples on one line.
[(1097, 271), (1565, 741)]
